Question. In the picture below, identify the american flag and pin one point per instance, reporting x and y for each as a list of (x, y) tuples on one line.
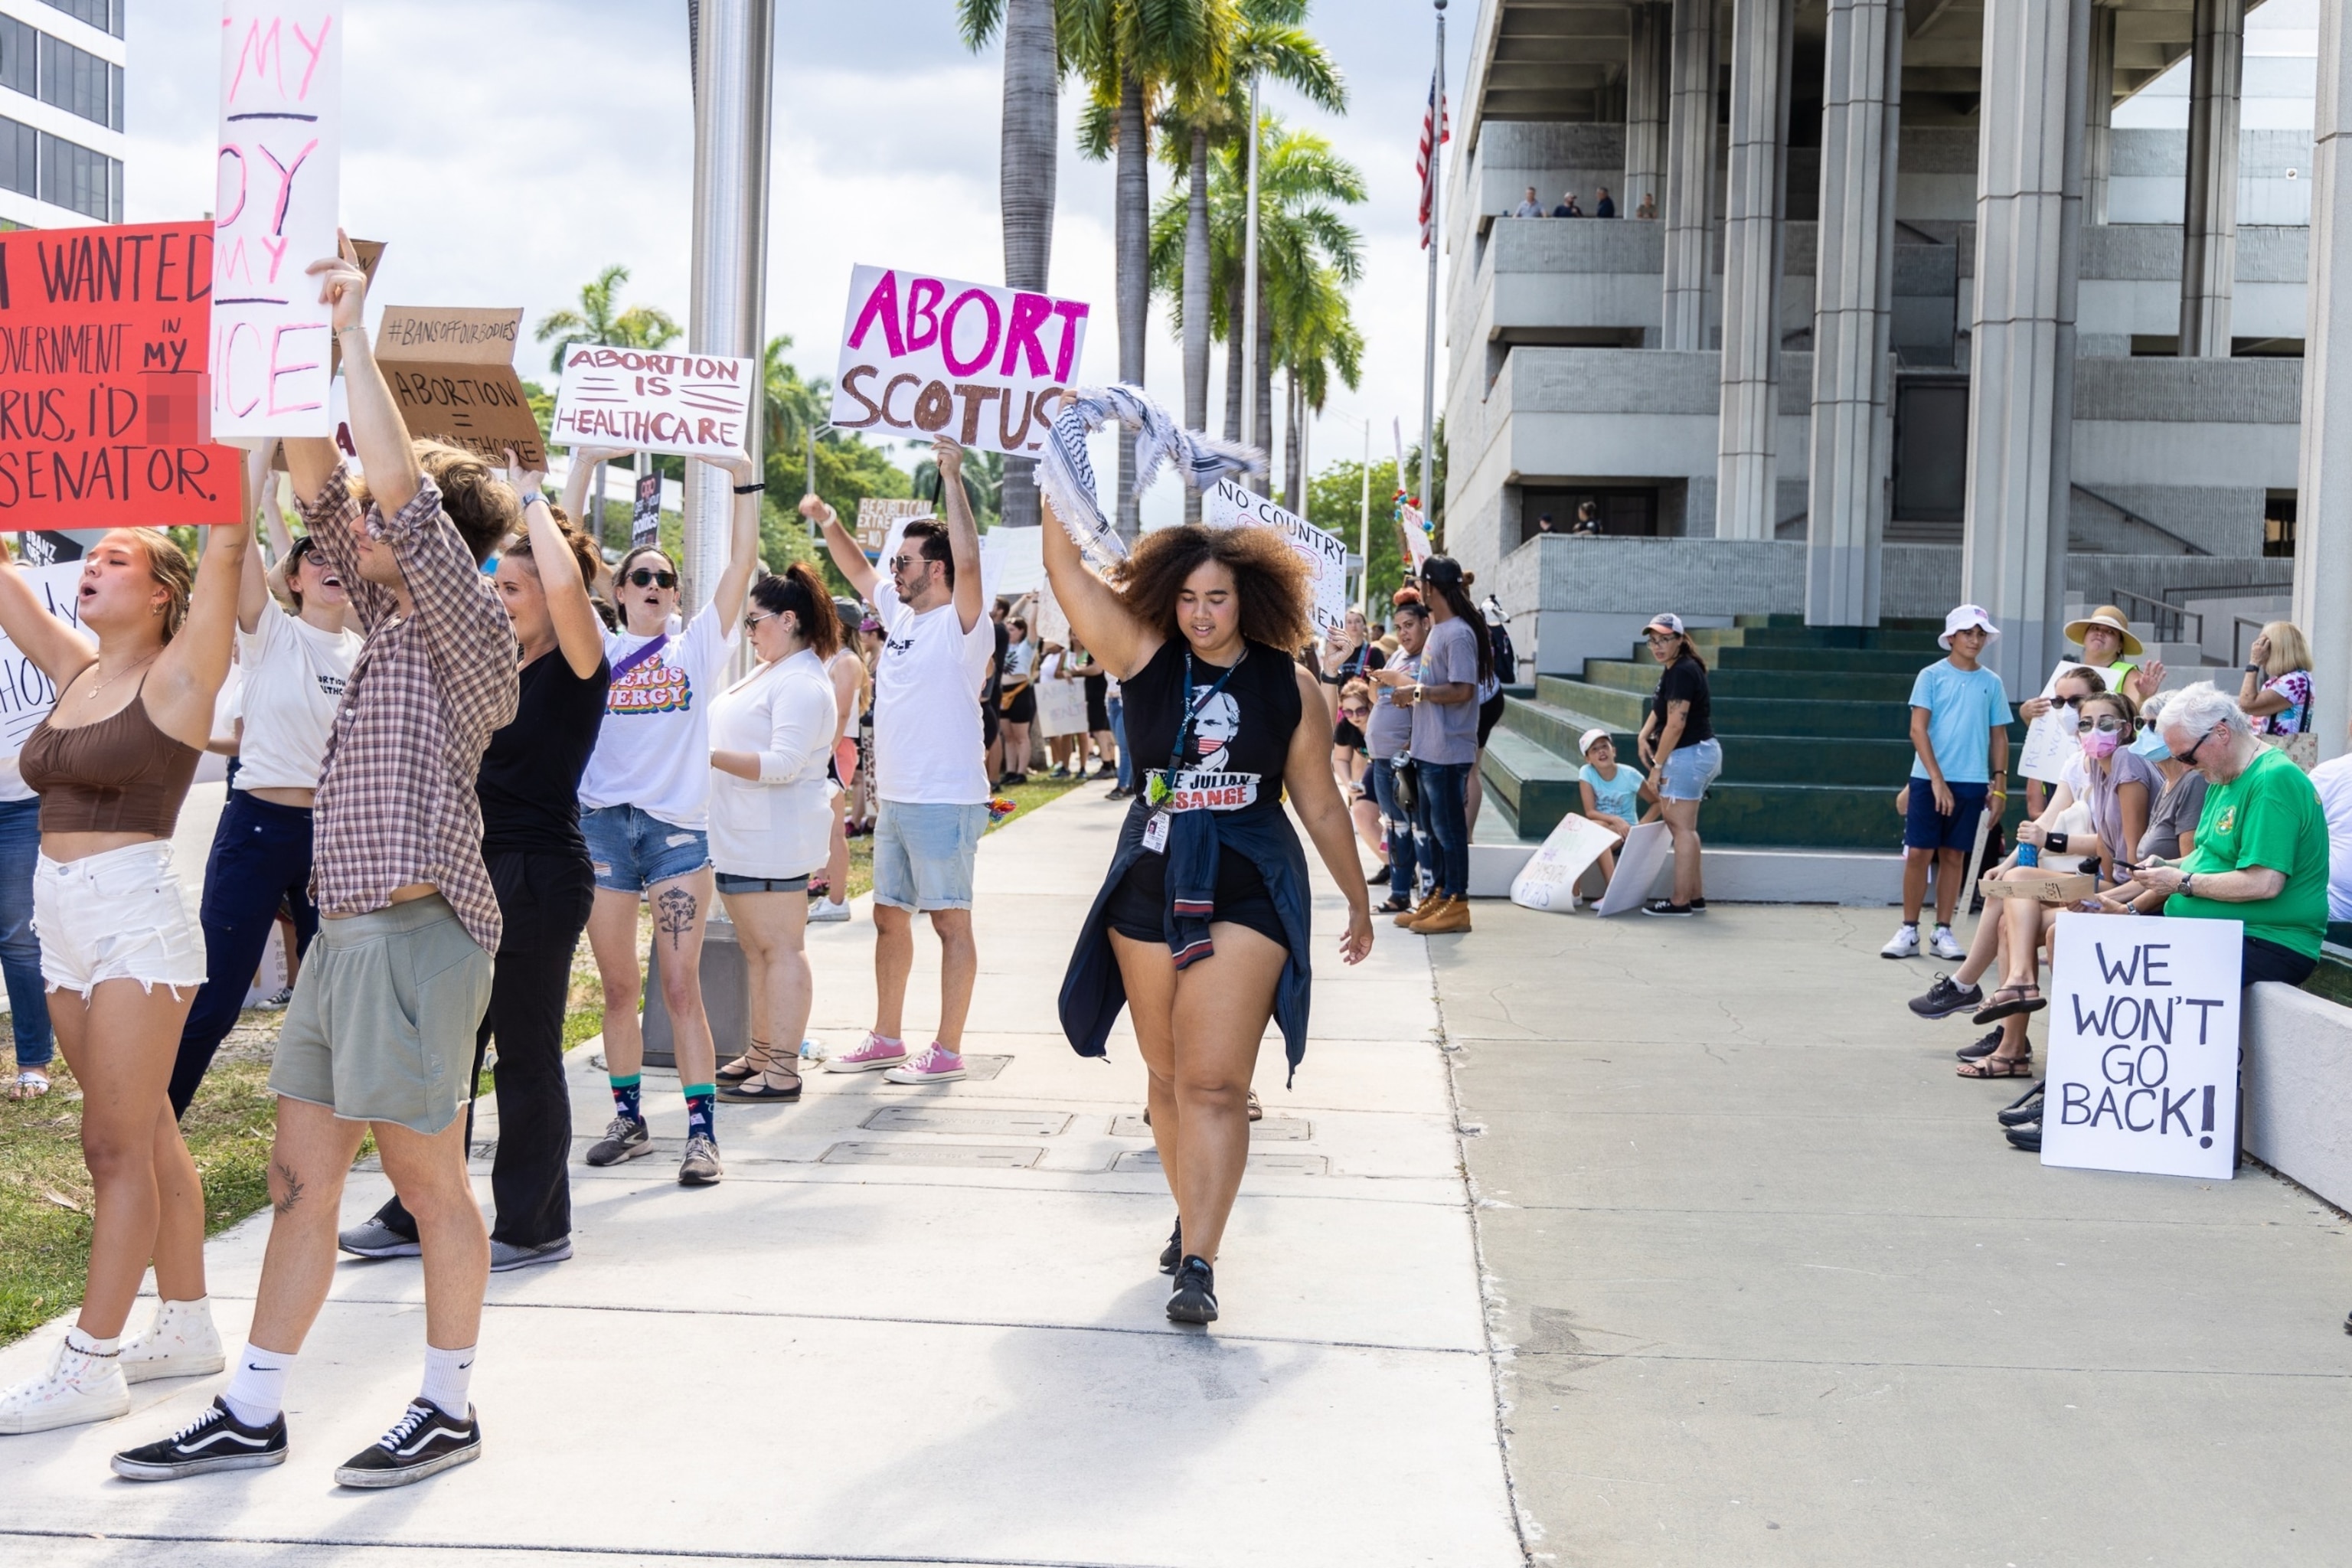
[(1434, 123)]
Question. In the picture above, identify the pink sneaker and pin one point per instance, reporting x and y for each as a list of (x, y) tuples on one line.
[(937, 1063), (876, 1052)]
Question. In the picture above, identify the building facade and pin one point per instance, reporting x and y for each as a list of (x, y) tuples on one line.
[(61, 91)]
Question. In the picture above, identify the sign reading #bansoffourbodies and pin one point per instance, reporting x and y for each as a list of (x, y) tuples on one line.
[(104, 334), (921, 356), (2143, 1045), (648, 401), (1230, 506), (282, 134)]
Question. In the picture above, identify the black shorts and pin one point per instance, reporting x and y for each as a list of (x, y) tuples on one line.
[(1490, 713), (987, 722), (1258, 914), (1097, 714), (1023, 709)]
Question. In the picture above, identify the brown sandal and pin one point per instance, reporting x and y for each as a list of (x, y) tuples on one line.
[(1999, 1067)]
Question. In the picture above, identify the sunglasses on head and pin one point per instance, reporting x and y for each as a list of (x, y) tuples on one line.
[(645, 576)]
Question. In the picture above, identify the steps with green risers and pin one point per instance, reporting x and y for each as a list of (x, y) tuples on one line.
[(1738, 715), (1732, 681), (1904, 662), (1818, 636), (1533, 785)]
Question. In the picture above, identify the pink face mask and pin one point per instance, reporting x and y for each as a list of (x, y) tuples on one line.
[(2101, 744)]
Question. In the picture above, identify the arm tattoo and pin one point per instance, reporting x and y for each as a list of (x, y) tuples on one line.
[(292, 1183), (673, 913)]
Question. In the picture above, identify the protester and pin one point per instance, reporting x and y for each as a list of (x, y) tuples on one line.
[(529, 788), (928, 770), (991, 690), (1455, 658), (111, 762), (1387, 739), (646, 813), (851, 685), (1502, 661), (1115, 709), (869, 654), (1959, 733), (2109, 648), (2333, 780), (1613, 794), (1097, 691), (771, 737), (295, 667), (1065, 751), (1352, 773), (2276, 688), (1201, 928), (1678, 745), (377, 1038), (1017, 699)]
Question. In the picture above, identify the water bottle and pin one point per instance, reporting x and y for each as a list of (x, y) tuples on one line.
[(2028, 855)]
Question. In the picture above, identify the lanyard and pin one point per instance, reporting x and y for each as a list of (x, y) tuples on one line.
[(1161, 787)]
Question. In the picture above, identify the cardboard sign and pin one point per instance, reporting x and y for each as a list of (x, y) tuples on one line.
[(645, 518), (2143, 1067), (920, 355), (451, 368), (104, 334), (2057, 888), (278, 169), (647, 401), (1638, 865), (1061, 704), (878, 515), (1230, 506), (26, 694), (1547, 881), (2053, 740)]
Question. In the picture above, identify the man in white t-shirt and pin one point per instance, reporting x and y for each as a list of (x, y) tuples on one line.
[(929, 769)]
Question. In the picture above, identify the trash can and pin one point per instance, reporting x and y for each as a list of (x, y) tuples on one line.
[(726, 997)]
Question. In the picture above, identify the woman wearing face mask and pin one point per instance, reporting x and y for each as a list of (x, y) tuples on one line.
[(645, 802), (2172, 820), (771, 737)]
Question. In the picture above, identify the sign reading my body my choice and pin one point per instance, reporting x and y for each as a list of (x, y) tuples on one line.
[(2143, 1045), (923, 355)]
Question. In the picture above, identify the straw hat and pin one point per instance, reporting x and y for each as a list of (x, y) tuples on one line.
[(2112, 618)]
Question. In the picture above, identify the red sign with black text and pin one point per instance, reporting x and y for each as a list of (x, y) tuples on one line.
[(105, 402)]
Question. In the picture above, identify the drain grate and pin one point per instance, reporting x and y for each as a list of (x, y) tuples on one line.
[(978, 1156), (972, 1120), (1273, 1129), (1265, 1164)]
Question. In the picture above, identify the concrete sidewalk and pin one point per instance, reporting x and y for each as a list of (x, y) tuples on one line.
[(912, 1326), (1779, 1292)]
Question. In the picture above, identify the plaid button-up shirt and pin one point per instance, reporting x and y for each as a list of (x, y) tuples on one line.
[(397, 803)]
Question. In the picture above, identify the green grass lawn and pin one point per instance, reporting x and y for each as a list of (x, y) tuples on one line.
[(44, 1195)]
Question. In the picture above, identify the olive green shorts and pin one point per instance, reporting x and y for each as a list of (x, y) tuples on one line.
[(382, 1021)]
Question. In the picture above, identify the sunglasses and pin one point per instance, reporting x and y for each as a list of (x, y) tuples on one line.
[(2107, 725), (2188, 757), (907, 563), (1355, 712), (645, 576), (2069, 702)]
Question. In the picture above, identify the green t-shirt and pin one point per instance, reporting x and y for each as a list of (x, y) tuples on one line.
[(2268, 815)]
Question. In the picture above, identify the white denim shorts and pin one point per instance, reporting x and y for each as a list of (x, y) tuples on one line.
[(116, 916)]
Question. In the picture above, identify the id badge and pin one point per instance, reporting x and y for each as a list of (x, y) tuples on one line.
[(1155, 833)]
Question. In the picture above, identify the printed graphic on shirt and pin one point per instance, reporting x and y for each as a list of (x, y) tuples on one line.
[(330, 686), (655, 686), (1203, 784)]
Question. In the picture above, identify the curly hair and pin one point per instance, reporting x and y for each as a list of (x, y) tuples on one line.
[(1269, 580), (169, 566)]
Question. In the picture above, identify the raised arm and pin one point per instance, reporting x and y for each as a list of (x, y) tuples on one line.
[(60, 650), (188, 673), (377, 429), (253, 590), (742, 540), (964, 534), (585, 461), (847, 558), (579, 633), (1097, 614)]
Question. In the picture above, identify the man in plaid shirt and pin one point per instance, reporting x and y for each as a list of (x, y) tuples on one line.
[(379, 1034)]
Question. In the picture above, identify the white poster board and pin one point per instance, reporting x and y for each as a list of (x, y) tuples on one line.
[(698, 405), (279, 170), (2051, 740), (26, 694), (923, 355), (1061, 704), (2143, 1064), (1230, 506), (1547, 881), (1638, 865), (1416, 538), (1012, 562)]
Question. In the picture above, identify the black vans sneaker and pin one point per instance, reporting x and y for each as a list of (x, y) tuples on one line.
[(1196, 1300), (423, 1442), (1173, 1252), (1947, 997), (216, 1440)]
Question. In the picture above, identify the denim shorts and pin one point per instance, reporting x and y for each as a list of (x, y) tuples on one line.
[(632, 849), (729, 882), (118, 915), (923, 854), (1691, 769)]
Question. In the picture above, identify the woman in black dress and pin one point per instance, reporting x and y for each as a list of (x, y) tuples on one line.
[(1201, 928)]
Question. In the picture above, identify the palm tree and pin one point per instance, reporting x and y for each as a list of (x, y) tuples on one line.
[(1025, 167), (983, 482), (601, 322)]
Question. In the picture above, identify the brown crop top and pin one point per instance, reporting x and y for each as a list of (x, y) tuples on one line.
[(121, 774)]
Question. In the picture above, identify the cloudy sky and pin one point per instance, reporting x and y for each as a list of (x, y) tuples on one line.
[(509, 149)]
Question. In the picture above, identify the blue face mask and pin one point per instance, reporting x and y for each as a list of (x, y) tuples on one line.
[(2151, 744)]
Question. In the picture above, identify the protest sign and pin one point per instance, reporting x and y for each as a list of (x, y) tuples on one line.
[(104, 334), (2143, 1063), (1229, 506), (1638, 865), (26, 694), (279, 171), (2051, 740), (650, 402), (878, 515), (1547, 881), (1061, 704), (920, 355), (645, 518), (451, 369)]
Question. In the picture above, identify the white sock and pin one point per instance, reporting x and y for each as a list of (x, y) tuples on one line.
[(447, 1375), (92, 1355), (256, 1389)]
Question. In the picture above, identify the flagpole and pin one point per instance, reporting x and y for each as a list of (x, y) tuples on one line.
[(1364, 532), (1250, 434), (1437, 243)]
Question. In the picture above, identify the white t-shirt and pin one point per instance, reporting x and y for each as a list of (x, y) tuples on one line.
[(654, 748), (927, 743), (294, 676), (782, 826), (1020, 658), (2333, 780)]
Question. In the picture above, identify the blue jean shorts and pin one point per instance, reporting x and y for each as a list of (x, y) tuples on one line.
[(1691, 769), (923, 854), (632, 849)]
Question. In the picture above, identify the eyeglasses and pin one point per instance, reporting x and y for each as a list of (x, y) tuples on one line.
[(2188, 757), (2107, 726), (645, 576)]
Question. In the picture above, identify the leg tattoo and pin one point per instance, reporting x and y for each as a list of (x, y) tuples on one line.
[(673, 913), (292, 1185)]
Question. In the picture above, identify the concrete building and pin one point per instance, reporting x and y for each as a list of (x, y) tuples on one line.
[(1935, 306), (61, 142)]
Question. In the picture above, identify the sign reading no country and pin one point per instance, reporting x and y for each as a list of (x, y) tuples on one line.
[(925, 356), (1230, 506), (698, 405)]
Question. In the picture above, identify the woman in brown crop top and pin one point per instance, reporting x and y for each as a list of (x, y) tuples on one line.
[(136, 682)]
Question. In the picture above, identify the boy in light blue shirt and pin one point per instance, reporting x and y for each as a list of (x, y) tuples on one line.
[(1959, 735)]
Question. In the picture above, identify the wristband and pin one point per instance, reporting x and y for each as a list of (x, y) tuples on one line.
[(2055, 842), (751, 490), (539, 496)]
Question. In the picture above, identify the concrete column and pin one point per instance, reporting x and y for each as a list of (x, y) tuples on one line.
[(1690, 175), (2209, 241), (2021, 391), (2323, 544), (1747, 467), (1853, 375), (1645, 107), (2096, 158)]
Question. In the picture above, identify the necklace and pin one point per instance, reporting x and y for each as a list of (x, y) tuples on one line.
[(117, 675)]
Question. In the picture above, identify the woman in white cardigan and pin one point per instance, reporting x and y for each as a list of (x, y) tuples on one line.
[(771, 818)]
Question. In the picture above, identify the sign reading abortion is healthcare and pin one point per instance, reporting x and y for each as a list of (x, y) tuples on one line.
[(2144, 1046), (651, 401), (922, 356)]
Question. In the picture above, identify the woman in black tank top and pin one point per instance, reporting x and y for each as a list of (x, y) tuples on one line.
[(1203, 917)]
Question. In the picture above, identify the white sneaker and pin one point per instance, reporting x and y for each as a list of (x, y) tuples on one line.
[(180, 1342), (1944, 945), (825, 909), (78, 1388), (1905, 945)]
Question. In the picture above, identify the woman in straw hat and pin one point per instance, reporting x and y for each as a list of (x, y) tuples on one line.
[(2109, 648)]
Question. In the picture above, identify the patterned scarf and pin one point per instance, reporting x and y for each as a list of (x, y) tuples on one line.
[(1067, 477)]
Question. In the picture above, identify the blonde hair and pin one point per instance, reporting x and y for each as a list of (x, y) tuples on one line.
[(171, 571), (2290, 649)]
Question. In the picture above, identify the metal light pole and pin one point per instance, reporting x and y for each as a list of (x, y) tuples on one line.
[(1250, 433), (1364, 532), (1437, 243)]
